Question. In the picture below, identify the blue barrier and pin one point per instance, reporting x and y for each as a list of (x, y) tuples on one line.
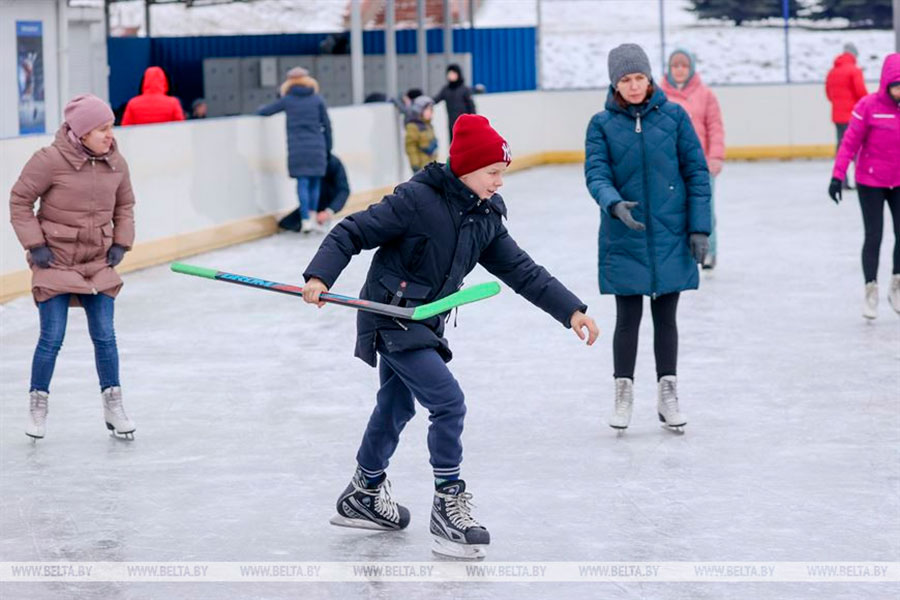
[(502, 59)]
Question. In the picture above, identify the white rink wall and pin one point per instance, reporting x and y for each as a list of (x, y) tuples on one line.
[(199, 175)]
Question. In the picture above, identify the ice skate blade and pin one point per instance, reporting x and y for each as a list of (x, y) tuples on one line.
[(677, 428), (445, 547), (33, 437), (123, 435), (342, 521)]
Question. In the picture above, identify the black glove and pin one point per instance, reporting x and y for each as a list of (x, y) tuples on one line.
[(622, 211), (834, 190), (41, 256), (699, 246), (115, 254)]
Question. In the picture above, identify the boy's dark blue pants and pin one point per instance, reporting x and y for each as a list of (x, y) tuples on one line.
[(422, 374)]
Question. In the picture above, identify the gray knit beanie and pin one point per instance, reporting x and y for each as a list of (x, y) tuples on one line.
[(625, 59), (851, 48), (419, 104)]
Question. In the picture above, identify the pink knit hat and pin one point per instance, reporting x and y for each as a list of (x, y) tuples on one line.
[(87, 112)]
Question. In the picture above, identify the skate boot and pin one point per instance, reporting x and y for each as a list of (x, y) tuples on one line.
[(306, 226), (667, 404), (894, 293), (369, 508), (870, 305), (114, 413), (37, 415), (455, 533), (709, 262), (621, 416)]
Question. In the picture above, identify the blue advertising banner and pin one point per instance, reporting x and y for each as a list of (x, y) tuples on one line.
[(30, 75)]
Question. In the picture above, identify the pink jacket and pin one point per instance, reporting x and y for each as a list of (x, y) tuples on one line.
[(706, 116), (873, 136), (86, 205)]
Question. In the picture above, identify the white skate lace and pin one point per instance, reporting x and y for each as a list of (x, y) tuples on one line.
[(459, 510), (114, 405), (38, 408), (384, 504), (669, 397), (623, 399)]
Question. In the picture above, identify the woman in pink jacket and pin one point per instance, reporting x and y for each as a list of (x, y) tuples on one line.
[(682, 85), (81, 231), (873, 141)]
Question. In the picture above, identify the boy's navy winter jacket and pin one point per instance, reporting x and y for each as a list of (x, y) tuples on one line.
[(430, 233), (651, 155)]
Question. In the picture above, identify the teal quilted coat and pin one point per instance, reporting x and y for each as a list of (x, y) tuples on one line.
[(648, 154)]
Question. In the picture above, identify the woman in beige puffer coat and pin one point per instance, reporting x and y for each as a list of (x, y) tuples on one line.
[(81, 231)]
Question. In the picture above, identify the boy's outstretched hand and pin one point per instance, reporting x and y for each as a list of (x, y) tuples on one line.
[(581, 320), (311, 291)]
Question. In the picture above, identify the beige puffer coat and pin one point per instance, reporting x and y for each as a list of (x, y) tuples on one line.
[(86, 205)]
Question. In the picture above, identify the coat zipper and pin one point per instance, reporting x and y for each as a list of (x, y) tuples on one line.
[(647, 218)]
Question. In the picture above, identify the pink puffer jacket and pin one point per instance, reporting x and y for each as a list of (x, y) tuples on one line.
[(873, 136), (701, 104)]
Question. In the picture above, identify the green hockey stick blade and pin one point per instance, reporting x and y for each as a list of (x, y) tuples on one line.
[(192, 270), (463, 296)]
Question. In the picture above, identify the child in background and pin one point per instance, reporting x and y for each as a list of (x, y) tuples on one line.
[(421, 145)]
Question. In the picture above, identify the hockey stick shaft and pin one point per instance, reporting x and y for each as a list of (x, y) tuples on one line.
[(464, 296)]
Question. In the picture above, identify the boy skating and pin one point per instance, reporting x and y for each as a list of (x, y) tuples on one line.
[(430, 233)]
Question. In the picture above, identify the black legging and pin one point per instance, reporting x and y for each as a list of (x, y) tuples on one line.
[(629, 310), (871, 200)]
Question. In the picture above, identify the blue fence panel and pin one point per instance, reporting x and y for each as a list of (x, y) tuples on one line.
[(502, 59)]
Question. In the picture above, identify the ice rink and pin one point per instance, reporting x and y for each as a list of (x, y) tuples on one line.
[(249, 408)]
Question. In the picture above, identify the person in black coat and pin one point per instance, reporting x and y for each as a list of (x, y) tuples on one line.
[(430, 233), (333, 195), (457, 95), (308, 137)]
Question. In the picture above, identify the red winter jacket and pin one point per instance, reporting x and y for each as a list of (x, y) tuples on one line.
[(844, 87), (153, 105)]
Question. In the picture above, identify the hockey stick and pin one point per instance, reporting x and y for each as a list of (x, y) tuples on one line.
[(419, 313)]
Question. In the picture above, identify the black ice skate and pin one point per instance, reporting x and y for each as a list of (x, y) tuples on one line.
[(454, 530), (369, 508)]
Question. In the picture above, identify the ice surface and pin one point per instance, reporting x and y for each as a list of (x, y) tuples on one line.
[(249, 408)]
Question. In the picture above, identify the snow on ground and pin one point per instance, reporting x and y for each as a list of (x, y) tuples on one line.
[(250, 406), (576, 35)]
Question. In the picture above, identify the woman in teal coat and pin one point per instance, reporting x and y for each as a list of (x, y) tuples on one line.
[(644, 166)]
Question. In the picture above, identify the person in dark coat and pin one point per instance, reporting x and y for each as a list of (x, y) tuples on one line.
[(457, 95), (308, 137), (333, 196), (645, 167), (430, 233)]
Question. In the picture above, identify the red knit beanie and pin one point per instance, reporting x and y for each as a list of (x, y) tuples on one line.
[(475, 145)]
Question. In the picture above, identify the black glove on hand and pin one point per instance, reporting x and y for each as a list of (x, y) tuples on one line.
[(622, 211), (41, 256), (834, 190), (699, 246), (114, 255)]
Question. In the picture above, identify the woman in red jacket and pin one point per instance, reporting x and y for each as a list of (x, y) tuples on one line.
[(153, 105)]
